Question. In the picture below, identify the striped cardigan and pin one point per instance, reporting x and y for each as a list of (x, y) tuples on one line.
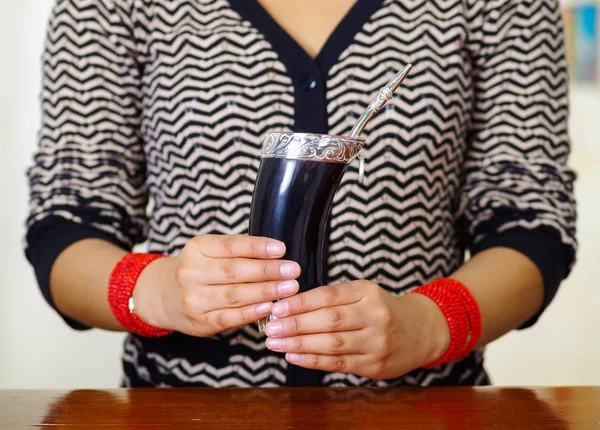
[(167, 101)]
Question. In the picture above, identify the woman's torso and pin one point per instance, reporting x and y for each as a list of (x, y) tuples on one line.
[(218, 75)]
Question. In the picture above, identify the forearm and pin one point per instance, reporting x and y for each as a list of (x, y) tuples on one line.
[(359, 328), (79, 282), (507, 286), (216, 283)]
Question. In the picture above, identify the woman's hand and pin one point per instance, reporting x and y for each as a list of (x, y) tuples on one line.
[(215, 284), (358, 328)]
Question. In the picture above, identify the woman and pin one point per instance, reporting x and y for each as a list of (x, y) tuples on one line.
[(169, 101)]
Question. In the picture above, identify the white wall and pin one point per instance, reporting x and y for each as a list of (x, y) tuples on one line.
[(38, 351)]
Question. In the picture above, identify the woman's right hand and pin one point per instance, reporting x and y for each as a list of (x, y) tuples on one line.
[(218, 282)]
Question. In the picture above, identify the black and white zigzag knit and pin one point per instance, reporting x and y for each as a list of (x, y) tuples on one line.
[(168, 101)]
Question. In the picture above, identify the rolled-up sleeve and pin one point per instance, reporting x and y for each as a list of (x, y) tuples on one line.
[(518, 189), (88, 175)]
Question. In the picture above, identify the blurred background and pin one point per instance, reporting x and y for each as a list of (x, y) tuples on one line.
[(37, 350)]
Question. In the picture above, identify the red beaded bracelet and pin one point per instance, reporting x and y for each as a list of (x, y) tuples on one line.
[(474, 315), (120, 288), (462, 314)]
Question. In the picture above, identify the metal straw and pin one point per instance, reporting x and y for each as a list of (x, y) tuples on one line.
[(385, 94)]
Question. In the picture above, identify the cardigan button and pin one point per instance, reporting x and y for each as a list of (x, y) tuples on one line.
[(308, 82)]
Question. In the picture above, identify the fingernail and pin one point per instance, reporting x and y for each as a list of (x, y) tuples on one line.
[(294, 358), (275, 249), (274, 328), (286, 288), (275, 344), (280, 308), (290, 270), (264, 308)]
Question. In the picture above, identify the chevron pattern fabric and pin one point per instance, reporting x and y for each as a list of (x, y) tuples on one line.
[(168, 101)]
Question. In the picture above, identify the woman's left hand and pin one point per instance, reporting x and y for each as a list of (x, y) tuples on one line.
[(358, 328)]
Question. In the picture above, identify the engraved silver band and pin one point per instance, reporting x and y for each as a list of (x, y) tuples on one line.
[(309, 146)]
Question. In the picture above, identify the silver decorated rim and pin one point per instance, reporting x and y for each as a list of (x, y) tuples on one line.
[(310, 146)]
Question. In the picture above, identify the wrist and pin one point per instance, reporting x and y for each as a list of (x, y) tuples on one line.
[(154, 292), (435, 329), (121, 286), (462, 315)]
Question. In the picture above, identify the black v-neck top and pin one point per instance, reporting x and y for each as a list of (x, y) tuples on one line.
[(168, 101), (309, 77)]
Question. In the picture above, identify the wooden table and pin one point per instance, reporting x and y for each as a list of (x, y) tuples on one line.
[(333, 408)]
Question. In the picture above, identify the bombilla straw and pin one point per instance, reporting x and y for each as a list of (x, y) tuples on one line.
[(385, 94)]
